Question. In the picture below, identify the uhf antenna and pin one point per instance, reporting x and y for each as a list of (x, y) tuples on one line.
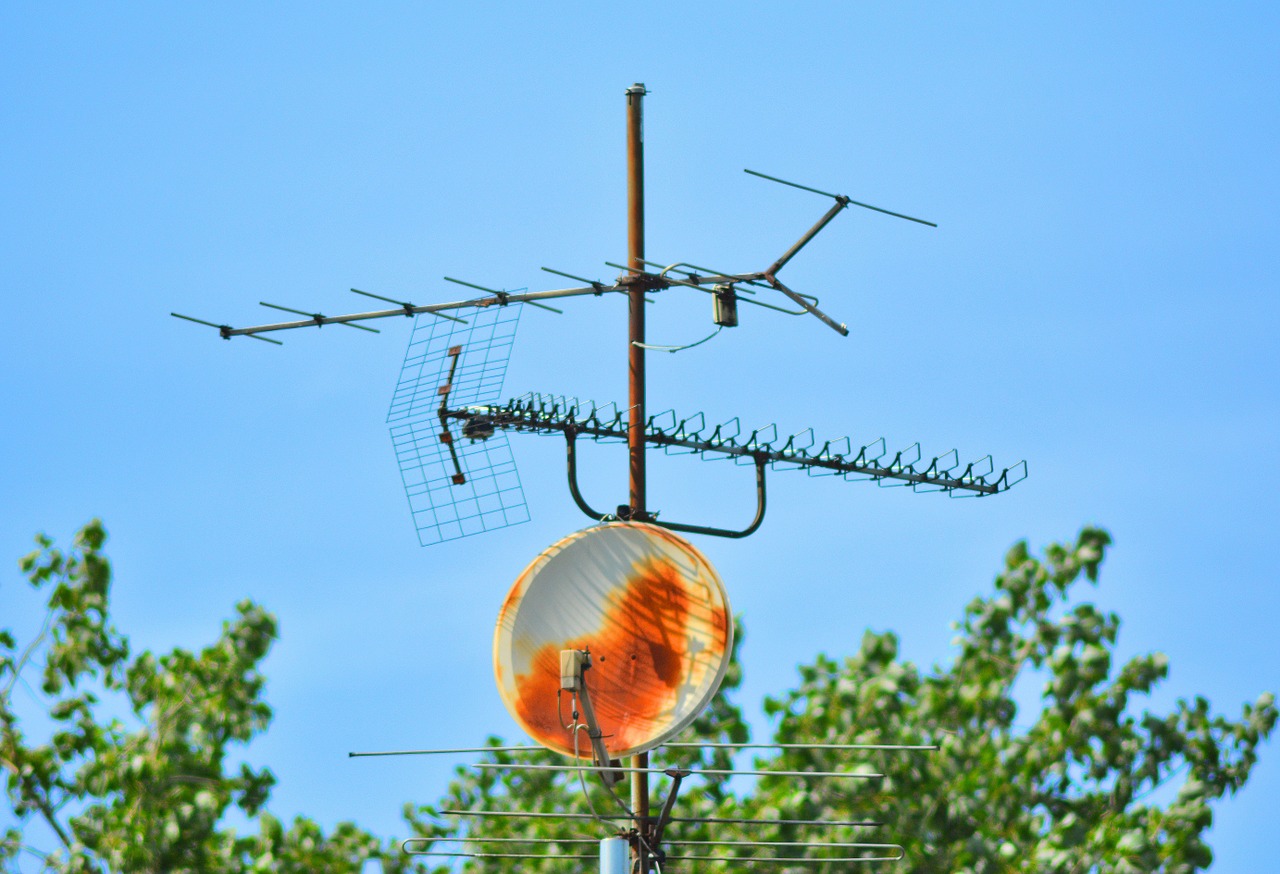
[(449, 424)]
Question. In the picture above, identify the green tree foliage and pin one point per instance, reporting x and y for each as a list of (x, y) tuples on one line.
[(1088, 782), (148, 795)]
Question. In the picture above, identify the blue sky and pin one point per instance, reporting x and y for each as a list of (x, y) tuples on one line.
[(1099, 298)]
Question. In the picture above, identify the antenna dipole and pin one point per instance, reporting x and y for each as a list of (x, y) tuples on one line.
[(635, 399)]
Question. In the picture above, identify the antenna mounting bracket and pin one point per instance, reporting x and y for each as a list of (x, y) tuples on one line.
[(626, 514), (573, 667)]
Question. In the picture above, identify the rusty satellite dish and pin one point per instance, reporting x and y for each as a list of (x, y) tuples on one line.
[(653, 613)]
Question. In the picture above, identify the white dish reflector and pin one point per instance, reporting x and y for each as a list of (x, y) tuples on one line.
[(654, 614)]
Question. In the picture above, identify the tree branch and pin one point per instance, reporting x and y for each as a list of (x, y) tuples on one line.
[(26, 653), (46, 810), (28, 791)]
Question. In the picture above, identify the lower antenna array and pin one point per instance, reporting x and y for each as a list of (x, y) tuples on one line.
[(680, 845)]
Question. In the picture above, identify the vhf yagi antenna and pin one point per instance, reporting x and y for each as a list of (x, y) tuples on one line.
[(449, 425)]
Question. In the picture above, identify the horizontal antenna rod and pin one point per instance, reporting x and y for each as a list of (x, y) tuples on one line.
[(595, 283), (516, 814), (833, 823), (793, 184), (522, 814), (408, 307), (805, 844), (445, 752), (225, 330), (764, 860), (844, 845), (843, 199), (471, 839), (317, 318), (719, 772), (404, 848), (726, 746), (501, 295), (528, 748)]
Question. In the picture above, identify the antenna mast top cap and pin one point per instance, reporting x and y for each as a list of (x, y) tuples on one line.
[(655, 616), (637, 88)]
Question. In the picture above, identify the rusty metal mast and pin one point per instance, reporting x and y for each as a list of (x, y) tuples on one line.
[(635, 398)]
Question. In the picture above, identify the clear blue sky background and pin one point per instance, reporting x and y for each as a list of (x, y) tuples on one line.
[(1098, 299)]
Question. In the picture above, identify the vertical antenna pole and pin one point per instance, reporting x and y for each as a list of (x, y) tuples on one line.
[(635, 397), (635, 321)]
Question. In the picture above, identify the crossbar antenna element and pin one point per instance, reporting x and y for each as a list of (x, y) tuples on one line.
[(528, 814), (712, 772)]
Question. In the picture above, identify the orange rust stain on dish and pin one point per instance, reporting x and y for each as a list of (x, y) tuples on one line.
[(638, 663)]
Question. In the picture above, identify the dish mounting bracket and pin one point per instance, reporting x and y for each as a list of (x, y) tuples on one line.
[(573, 667), (625, 513)]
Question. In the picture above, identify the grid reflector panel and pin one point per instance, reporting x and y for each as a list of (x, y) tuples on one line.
[(486, 342), (490, 495)]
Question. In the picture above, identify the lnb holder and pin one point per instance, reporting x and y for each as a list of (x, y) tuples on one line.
[(574, 664)]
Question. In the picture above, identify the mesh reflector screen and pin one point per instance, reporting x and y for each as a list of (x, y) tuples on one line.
[(490, 495)]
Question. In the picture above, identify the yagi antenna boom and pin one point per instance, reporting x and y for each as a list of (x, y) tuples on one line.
[(632, 277)]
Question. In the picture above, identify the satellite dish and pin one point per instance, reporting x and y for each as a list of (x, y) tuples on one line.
[(654, 614)]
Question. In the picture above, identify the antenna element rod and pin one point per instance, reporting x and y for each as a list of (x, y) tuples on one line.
[(773, 268), (847, 200), (792, 184)]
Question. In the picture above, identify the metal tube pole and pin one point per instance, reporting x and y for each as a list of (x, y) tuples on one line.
[(635, 397), (613, 856), (635, 320)]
